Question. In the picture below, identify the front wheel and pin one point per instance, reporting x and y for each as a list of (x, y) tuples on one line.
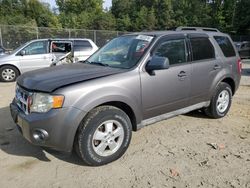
[(8, 73), (220, 102), (103, 136)]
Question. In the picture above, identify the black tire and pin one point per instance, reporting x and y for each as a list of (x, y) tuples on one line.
[(12, 69), (85, 143), (213, 111)]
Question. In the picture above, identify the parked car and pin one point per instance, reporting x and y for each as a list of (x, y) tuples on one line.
[(42, 53), (133, 81), (2, 50), (243, 49)]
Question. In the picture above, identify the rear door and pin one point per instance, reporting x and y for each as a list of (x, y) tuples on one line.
[(167, 90), (61, 49), (34, 56), (204, 67)]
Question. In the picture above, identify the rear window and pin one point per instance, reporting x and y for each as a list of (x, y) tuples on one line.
[(81, 45), (225, 45), (202, 48)]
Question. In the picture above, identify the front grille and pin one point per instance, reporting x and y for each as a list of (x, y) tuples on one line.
[(22, 99)]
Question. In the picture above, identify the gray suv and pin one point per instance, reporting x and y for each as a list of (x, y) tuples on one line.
[(133, 81)]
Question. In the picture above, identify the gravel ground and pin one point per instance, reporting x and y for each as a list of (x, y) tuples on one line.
[(186, 151)]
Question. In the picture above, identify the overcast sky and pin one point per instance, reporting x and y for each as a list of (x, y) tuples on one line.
[(107, 3)]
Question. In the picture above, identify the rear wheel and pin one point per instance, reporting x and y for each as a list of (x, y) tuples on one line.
[(103, 136), (8, 73), (220, 102)]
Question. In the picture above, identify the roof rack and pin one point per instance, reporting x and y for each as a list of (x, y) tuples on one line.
[(197, 29)]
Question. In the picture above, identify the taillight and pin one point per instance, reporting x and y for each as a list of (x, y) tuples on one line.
[(239, 66)]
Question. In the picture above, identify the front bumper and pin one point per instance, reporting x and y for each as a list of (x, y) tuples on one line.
[(60, 124)]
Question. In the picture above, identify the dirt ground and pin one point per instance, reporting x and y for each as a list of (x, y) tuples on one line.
[(171, 153)]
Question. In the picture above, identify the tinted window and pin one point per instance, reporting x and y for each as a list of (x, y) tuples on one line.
[(174, 50), (202, 48), (39, 47), (81, 45), (225, 45)]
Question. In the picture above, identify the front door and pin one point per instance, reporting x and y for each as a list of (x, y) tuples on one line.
[(35, 56), (167, 90)]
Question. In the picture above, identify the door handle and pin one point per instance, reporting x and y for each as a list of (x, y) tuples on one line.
[(217, 67), (182, 74)]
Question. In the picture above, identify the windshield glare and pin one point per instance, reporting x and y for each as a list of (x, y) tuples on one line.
[(122, 52)]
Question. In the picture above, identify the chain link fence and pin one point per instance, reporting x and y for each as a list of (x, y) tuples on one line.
[(13, 36), (240, 38)]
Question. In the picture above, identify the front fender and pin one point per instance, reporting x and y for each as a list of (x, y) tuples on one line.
[(123, 87), (105, 95)]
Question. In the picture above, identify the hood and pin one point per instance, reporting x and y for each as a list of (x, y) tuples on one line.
[(4, 57), (52, 78)]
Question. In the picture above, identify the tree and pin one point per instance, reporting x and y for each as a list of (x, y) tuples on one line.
[(78, 6), (123, 23), (104, 21), (242, 17), (24, 12), (145, 20), (164, 11)]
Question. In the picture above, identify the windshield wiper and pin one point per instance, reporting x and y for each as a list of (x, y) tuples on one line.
[(97, 63)]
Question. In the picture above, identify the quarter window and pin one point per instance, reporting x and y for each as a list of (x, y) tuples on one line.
[(81, 45), (202, 48), (174, 50), (225, 45)]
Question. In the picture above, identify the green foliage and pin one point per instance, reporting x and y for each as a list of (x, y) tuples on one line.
[(25, 12), (242, 17), (79, 6), (104, 21), (84, 14), (232, 16)]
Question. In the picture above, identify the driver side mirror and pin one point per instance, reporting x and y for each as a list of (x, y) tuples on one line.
[(22, 52), (157, 63)]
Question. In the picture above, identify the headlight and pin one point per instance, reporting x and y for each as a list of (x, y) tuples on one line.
[(42, 102)]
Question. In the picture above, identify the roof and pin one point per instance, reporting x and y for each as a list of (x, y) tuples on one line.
[(206, 30), (167, 32), (62, 39)]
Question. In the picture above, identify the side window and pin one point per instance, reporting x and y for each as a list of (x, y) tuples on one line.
[(81, 45), (174, 50), (39, 47), (61, 47), (225, 45), (202, 48)]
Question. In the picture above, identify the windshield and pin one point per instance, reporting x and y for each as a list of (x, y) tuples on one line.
[(122, 52), (17, 49)]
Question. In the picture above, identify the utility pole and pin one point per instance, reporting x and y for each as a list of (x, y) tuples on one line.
[(1, 39)]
